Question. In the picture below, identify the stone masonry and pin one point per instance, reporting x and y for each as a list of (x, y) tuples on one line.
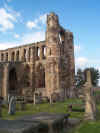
[(90, 105), (47, 66)]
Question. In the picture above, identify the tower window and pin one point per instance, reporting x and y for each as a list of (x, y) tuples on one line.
[(61, 37), (2, 57), (44, 51)]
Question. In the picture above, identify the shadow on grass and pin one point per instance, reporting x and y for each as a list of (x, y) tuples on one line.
[(78, 110)]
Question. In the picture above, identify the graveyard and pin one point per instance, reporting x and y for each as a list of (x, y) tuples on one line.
[(49, 66), (59, 108)]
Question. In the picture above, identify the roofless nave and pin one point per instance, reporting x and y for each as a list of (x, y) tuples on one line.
[(47, 65)]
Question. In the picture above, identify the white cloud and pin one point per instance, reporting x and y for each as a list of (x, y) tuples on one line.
[(6, 45), (77, 48), (26, 39), (6, 20), (12, 12), (33, 37), (8, 17), (81, 62), (16, 36), (31, 24), (9, 0), (42, 18), (39, 21)]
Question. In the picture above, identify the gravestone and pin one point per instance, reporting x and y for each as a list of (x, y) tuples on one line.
[(22, 106), (90, 106), (0, 106), (12, 106)]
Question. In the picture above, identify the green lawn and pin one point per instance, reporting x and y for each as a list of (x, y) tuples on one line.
[(61, 107), (87, 127)]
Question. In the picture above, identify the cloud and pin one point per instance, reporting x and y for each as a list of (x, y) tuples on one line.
[(77, 48), (41, 20), (31, 24), (81, 62), (9, 0), (33, 37), (26, 39), (14, 13), (6, 45), (6, 20), (16, 36), (8, 17)]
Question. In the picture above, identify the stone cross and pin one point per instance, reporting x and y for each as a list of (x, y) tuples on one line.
[(12, 106), (90, 106)]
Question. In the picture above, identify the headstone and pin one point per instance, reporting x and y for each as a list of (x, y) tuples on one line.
[(90, 106), (12, 106), (0, 106), (22, 106)]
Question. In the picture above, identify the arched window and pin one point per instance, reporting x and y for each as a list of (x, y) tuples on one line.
[(44, 51), (38, 52), (25, 80), (40, 76), (29, 53), (6, 59), (17, 55), (2, 57), (62, 37), (13, 56), (12, 80), (24, 54)]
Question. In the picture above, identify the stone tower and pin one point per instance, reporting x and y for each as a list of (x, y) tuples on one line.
[(60, 58), (53, 54)]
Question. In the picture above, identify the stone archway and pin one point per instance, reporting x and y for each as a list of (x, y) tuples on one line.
[(12, 80), (40, 76)]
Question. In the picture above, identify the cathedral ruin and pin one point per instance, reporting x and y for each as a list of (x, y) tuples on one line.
[(46, 67)]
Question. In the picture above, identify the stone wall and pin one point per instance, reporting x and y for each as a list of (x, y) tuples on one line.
[(48, 64)]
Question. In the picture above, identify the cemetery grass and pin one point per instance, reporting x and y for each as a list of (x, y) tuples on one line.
[(59, 107), (87, 127)]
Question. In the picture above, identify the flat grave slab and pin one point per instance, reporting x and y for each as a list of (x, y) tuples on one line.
[(39, 123), (18, 126)]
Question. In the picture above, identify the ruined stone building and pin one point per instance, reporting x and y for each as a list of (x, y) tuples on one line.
[(46, 66)]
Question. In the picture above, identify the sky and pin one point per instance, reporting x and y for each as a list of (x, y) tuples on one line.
[(24, 21)]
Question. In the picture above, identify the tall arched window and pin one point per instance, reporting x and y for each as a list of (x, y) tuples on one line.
[(2, 57), (12, 80), (24, 54), (29, 53), (13, 56), (44, 51), (6, 57), (62, 37), (38, 52), (17, 55), (25, 80), (40, 76)]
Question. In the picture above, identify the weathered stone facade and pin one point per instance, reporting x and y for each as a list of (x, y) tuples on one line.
[(90, 105), (47, 66)]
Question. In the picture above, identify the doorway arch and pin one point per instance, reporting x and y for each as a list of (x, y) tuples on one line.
[(12, 81)]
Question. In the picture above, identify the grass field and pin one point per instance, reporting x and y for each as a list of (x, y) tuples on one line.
[(60, 107)]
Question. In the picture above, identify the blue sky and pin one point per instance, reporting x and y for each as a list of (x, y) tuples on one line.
[(23, 21)]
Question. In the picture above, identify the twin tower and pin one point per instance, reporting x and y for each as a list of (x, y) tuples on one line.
[(46, 67)]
